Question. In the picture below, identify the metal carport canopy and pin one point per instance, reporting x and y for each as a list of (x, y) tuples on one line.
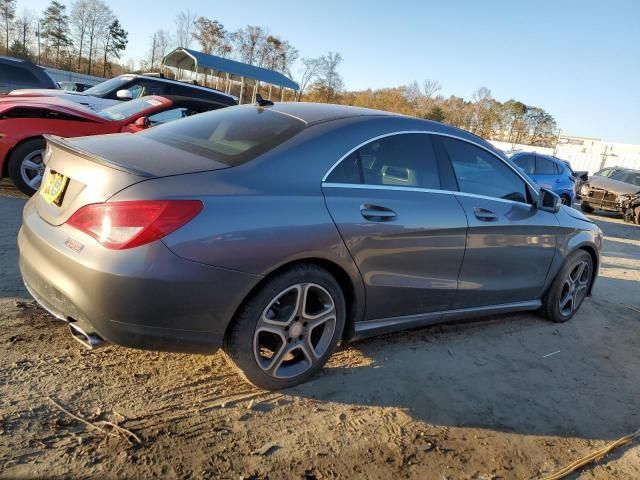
[(199, 62)]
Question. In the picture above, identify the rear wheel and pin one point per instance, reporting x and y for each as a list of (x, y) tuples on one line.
[(26, 165), (288, 329), (585, 207), (569, 288)]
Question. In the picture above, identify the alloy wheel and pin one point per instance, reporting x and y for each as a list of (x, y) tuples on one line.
[(574, 288), (295, 330), (32, 168)]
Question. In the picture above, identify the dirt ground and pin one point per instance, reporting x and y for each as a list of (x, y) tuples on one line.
[(509, 397)]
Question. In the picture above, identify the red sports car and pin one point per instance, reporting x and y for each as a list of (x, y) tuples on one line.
[(24, 121)]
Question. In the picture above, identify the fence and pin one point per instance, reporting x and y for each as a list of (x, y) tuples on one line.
[(586, 154), (64, 76)]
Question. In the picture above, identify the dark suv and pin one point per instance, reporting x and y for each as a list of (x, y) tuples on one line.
[(130, 86), (16, 73)]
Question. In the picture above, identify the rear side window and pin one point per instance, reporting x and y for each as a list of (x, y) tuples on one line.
[(405, 160), (230, 135), (481, 173), (545, 166), (17, 75), (526, 163)]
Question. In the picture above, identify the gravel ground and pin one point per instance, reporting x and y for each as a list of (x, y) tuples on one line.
[(481, 400)]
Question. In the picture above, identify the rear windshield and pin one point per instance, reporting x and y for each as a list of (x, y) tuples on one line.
[(233, 135)]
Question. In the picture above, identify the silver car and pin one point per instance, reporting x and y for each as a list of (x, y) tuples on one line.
[(278, 231)]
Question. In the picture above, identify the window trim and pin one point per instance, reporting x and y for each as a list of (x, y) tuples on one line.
[(428, 132)]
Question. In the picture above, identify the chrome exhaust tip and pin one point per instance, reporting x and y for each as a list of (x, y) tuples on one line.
[(89, 340)]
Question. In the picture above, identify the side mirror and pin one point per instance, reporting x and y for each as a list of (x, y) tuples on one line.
[(548, 201), (142, 122), (124, 95)]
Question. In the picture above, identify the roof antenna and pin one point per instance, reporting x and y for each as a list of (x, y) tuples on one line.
[(262, 102)]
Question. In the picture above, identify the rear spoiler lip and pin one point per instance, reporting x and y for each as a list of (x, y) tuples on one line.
[(66, 145)]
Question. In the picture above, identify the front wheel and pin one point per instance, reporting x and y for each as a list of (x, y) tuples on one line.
[(26, 165), (288, 329), (569, 288), (585, 207)]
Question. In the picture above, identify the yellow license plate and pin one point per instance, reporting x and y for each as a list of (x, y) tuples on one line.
[(53, 187)]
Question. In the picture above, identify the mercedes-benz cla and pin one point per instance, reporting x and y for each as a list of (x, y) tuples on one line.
[(277, 232)]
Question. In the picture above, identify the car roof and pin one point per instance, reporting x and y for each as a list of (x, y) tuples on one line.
[(311, 113), (178, 82)]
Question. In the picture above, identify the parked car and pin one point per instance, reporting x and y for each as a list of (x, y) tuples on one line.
[(74, 86), (25, 120), (132, 86), (549, 172), (278, 231), (607, 189), (16, 73)]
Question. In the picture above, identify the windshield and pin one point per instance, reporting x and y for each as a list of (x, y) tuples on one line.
[(626, 176), (108, 86), (231, 135), (128, 109)]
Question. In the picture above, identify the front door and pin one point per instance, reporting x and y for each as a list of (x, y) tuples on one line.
[(510, 242)]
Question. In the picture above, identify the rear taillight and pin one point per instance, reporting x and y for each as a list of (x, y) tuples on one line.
[(120, 225)]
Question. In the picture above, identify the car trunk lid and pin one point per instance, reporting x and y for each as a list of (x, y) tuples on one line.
[(96, 168)]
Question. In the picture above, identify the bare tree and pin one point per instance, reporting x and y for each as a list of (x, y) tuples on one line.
[(26, 26), (7, 14), (160, 43), (430, 88), (329, 83), (79, 22), (211, 36), (308, 74), (185, 26), (248, 42), (98, 20)]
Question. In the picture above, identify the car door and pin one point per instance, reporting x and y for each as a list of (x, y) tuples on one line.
[(406, 235), (510, 243)]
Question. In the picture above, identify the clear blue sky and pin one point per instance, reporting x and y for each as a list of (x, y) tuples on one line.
[(579, 60)]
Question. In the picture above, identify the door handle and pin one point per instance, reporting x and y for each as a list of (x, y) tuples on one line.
[(376, 213), (484, 214)]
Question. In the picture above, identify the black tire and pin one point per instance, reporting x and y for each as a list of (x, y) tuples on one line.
[(585, 207), (552, 301), (17, 157), (243, 332)]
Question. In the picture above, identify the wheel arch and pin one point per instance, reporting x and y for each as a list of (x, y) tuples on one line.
[(5, 161), (591, 250), (354, 299)]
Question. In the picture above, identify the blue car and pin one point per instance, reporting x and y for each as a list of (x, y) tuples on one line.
[(548, 172)]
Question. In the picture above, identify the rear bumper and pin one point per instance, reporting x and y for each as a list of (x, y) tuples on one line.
[(146, 297)]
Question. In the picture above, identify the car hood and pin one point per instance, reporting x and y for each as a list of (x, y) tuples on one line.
[(94, 103), (572, 212), (615, 186)]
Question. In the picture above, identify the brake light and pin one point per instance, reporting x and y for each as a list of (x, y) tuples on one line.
[(121, 225)]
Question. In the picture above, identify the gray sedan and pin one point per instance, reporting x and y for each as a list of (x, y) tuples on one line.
[(278, 231)]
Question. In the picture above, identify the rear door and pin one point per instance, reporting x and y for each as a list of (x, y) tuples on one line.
[(510, 243), (406, 235)]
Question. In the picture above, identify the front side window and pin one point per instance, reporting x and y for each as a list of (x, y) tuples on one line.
[(481, 173), (405, 160), (544, 166)]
